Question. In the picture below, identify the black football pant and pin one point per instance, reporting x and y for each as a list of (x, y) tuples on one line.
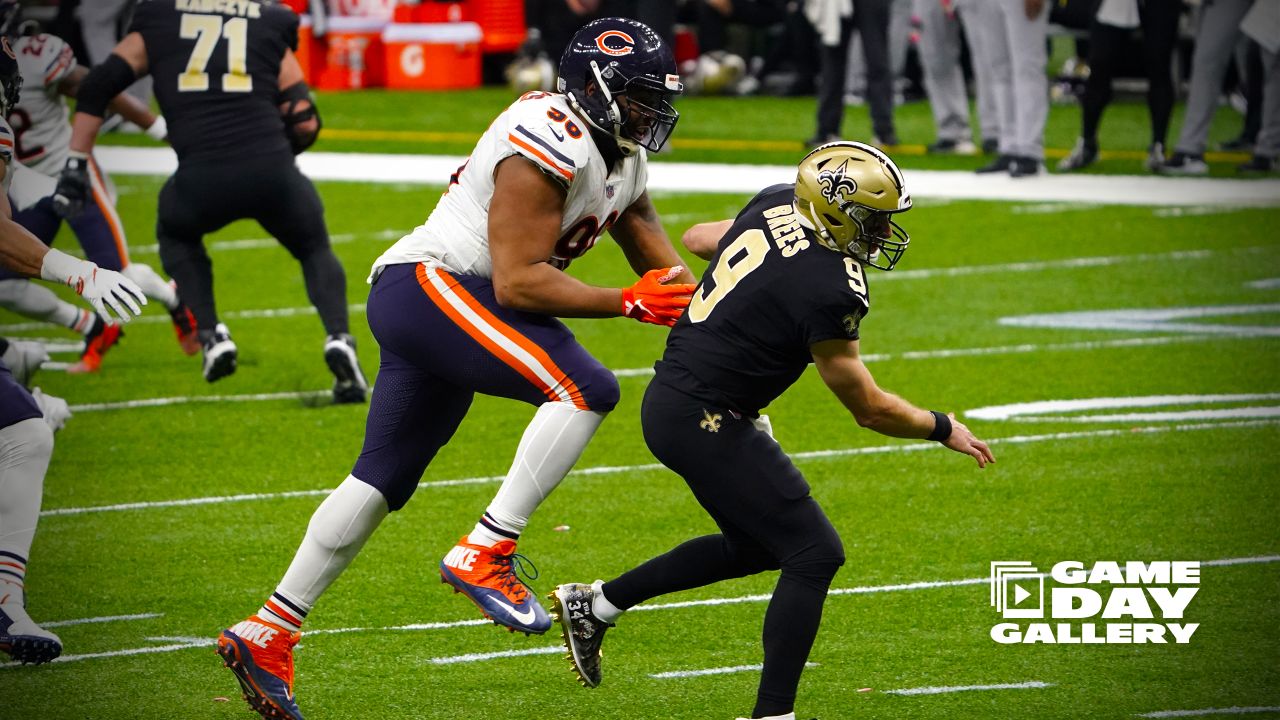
[(767, 521), (202, 198), (1108, 46)]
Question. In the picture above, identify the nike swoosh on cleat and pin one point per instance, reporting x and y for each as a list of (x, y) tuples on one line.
[(525, 617)]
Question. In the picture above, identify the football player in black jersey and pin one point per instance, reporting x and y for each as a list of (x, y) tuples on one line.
[(238, 111), (786, 286)]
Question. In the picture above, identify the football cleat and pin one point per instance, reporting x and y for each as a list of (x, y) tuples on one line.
[(487, 576), (101, 338), (22, 639), (260, 654), (349, 385), (184, 325), (581, 631), (219, 354)]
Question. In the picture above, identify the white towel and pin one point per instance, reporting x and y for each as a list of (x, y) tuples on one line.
[(826, 16)]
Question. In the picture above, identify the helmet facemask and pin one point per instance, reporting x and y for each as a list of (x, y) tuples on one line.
[(638, 112), (879, 241)]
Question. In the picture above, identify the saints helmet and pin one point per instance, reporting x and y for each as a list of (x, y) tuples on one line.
[(847, 192), (619, 58)]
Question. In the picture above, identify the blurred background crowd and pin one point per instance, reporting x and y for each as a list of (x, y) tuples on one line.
[(1010, 58)]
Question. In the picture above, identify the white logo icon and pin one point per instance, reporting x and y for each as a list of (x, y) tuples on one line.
[(1025, 580), (525, 617)]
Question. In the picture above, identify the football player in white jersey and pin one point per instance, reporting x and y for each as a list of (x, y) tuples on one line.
[(468, 303), (42, 139), (26, 439)]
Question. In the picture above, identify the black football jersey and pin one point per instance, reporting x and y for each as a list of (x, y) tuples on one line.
[(770, 292), (216, 67)]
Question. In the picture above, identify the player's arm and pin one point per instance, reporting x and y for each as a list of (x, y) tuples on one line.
[(297, 107), (124, 104), (524, 225), (127, 62), (843, 371), (23, 253), (704, 238), (639, 232)]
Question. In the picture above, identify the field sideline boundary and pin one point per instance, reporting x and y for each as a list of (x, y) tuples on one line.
[(727, 178)]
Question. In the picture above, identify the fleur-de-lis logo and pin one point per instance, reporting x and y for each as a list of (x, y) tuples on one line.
[(836, 185), (710, 422)]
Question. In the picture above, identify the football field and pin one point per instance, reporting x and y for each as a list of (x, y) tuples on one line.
[(1123, 362)]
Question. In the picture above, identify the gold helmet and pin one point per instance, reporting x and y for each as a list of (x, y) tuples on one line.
[(846, 192)]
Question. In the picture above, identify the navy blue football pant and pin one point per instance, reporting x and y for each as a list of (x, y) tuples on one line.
[(767, 521), (16, 404), (444, 338)]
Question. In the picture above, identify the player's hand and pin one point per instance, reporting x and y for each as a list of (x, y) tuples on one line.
[(54, 409), (73, 187), (651, 300), (114, 296), (963, 441)]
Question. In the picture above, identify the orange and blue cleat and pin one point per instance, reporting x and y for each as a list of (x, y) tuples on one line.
[(100, 339), (486, 575), (260, 653)]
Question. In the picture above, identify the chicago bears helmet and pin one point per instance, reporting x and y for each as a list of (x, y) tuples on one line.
[(847, 192), (620, 75), (10, 77)]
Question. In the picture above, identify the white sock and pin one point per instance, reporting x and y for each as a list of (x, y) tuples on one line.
[(600, 605), (25, 449), (153, 286), (40, 303), (552, 443), (337, 531)]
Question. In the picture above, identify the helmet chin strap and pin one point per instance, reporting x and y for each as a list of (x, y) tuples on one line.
[(626, 146)]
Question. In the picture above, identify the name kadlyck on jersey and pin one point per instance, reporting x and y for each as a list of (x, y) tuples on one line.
[(1110, 602)]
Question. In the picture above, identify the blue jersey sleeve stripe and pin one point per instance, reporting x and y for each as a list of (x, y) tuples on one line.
[(546, 146)]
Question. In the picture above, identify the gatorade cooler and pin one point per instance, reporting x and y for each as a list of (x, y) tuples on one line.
[(432, 56), (354, 56), (307, 54)]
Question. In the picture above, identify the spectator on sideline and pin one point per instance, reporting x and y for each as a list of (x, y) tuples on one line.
[(1220, 25), (1109, 37), (1017, 71), (939, 49), (835, 21)]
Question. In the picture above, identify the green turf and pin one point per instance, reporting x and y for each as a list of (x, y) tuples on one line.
[(905, 516), (707, 124)]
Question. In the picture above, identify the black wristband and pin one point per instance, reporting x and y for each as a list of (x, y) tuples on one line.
[(941, 427)]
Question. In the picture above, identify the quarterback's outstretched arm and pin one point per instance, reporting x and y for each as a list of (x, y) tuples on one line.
[(843, 371), (703, 239), (524, 226), (639, 232)]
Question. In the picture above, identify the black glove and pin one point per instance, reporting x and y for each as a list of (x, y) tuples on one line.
[(73, 187)]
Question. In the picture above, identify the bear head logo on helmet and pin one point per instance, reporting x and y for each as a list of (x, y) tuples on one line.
[(846, 192), (621, 77)]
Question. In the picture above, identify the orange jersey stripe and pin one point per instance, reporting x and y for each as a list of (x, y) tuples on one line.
[(517, 141), (109, 212), (507, 332)]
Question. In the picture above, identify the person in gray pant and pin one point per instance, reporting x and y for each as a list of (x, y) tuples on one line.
[(943, 76), (1021, 88), (1216, 37), (977, 31), (100, 23)]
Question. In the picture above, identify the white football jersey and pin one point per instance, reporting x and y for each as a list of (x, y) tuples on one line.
[(40, 117), (542, 128)]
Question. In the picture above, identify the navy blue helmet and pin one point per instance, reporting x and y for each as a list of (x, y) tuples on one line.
[(621, 76)]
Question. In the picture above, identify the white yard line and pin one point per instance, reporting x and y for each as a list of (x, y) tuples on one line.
[(480, 657), (725, 178), (648, 371), (968, 688), (103, 619), (1211, 711), (681, 674), (646, 467), (193, 642)]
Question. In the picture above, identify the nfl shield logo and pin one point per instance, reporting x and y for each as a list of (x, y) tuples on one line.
[(608, 191)]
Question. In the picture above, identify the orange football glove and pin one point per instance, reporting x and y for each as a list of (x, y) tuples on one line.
[(650, 300)]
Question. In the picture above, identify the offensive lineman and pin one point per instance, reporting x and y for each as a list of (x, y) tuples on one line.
[(774, 298), (26, 441), (238, 110), (41, 143), (467, 303)]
